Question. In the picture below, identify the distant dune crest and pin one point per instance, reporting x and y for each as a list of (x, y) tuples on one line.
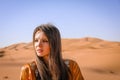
[(87, 42)]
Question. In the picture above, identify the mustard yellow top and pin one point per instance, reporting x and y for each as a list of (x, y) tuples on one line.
[(28, 71)]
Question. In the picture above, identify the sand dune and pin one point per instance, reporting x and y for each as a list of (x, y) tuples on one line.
[(97, 58)]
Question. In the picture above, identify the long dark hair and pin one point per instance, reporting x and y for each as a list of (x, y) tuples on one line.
[(56, 68)]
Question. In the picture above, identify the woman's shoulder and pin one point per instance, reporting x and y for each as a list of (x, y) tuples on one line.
[(27, 70), (75, 69), (70, 62), (25, 67), (28, 65)]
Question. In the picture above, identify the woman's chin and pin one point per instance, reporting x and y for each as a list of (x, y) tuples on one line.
[(39, 54)]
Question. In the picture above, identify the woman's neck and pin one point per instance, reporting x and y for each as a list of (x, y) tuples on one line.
[(46, 60)]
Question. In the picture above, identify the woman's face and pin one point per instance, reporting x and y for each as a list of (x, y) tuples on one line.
[(41, 44)]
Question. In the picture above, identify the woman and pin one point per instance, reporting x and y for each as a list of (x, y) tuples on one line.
[(49, 64)]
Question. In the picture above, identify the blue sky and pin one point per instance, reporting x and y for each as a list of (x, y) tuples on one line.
[(74, 19)]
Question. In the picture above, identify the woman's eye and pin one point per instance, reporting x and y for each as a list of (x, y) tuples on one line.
[(36, 40), (45, 40)]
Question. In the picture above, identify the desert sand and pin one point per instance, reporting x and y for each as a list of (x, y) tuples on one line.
[(98, 59)]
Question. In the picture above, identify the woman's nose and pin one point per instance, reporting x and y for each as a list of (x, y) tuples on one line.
[(39, 43)]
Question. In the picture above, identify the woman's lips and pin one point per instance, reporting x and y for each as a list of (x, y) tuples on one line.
[(39, 50)]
